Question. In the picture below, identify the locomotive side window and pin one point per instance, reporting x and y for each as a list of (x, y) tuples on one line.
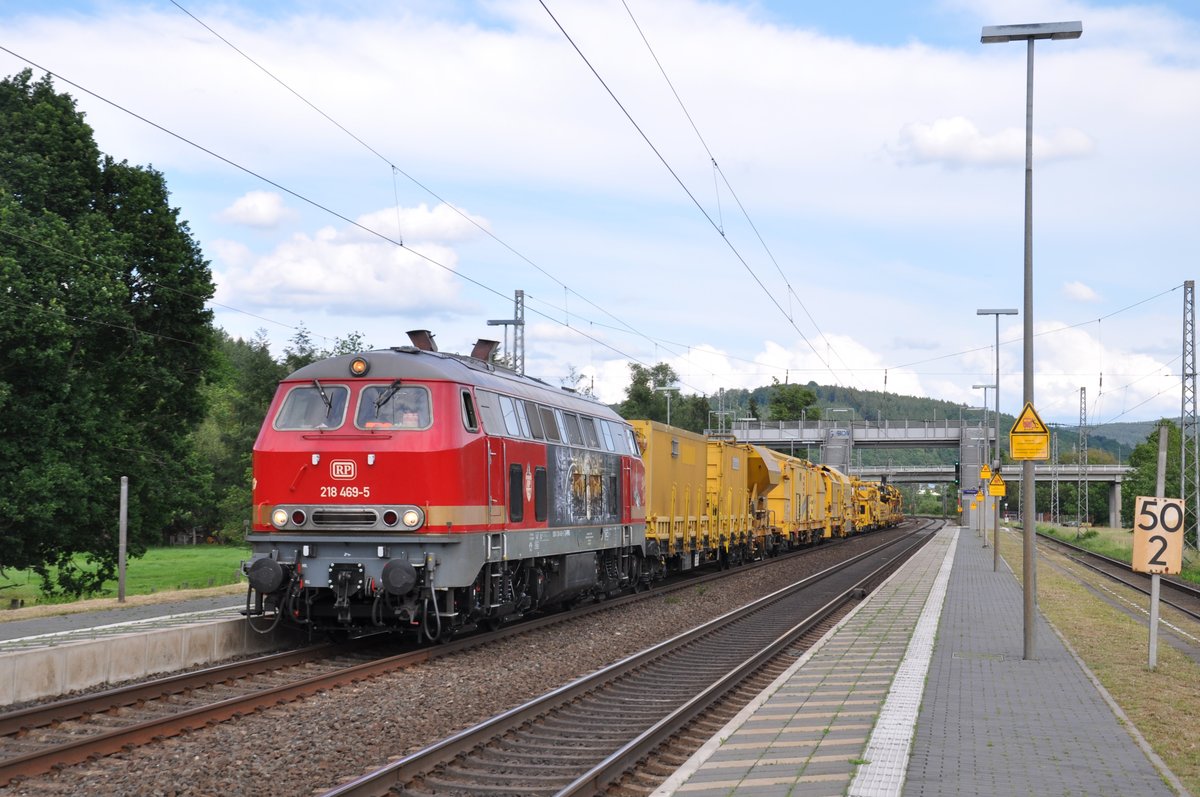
[(313, 407), (521, 419), (620, 442), (489, 410), (607, 435), (589, 431), (468, 412), (550, 425), (574, 435), (535, 421), (510, 416), (516, 494), (393, 406), (540, 501)]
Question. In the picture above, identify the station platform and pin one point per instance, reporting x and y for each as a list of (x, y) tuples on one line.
[(57, 655), (922, 691)]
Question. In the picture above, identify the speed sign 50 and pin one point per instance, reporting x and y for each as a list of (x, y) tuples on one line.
[(1158, 535)]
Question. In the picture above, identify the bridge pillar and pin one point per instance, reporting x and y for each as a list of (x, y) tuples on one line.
[(1114, 505), (970, 458)]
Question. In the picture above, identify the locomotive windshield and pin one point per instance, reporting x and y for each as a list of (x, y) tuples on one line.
[(393, 407), (315, 406)]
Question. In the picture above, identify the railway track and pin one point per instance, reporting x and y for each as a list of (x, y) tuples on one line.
[(584, 736), (50, 735), (1176, 593)]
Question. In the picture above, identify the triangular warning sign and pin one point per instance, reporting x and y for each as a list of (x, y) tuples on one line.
[(1028, 422), (996, 480)]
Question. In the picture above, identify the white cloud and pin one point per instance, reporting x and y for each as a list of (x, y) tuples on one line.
[(260, 209), (346, 271), (444, 223), (957, 142), (1077, 291)]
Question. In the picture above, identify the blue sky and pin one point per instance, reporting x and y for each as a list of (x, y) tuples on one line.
[(876, 147)]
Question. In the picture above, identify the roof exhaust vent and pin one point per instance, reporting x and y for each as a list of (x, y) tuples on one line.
[(422, 339), (484, 349)]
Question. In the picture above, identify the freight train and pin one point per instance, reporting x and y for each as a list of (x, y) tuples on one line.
[(430, 493)]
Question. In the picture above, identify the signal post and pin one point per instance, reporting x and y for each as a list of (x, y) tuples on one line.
[(1029, 440)]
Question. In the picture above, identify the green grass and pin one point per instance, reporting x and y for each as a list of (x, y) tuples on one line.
[(1115, 544), (161, 569)]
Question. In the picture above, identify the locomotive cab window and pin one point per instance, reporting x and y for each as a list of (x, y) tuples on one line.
[(313, 407), (393, 406), (468, 412)]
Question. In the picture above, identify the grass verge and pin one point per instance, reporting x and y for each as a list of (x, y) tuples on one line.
[(160, 570), (1162, 702)]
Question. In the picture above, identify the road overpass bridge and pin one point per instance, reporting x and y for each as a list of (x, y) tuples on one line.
[(832, 442)]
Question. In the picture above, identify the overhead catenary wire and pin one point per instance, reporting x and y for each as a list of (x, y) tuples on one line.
[(718, 171), (1043, 333), (688, 191), (397, 170)]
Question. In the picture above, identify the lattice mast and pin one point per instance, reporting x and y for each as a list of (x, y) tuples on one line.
[(519, 332), (1081, 466), (1189, 471), (1054, 512)]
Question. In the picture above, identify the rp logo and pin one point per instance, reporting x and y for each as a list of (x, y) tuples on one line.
[(342, 469)]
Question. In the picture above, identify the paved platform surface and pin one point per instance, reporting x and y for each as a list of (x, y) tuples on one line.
[(81, 624), (923, 691)]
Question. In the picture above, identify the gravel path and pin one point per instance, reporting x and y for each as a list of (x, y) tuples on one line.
[(314, 744)]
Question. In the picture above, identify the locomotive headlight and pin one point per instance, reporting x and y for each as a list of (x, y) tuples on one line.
[(279, 518), (359, 366), (411, 518)]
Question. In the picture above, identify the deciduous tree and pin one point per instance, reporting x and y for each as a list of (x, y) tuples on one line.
[(104, 340)]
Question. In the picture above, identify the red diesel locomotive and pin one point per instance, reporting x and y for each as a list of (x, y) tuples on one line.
[(408, 489)]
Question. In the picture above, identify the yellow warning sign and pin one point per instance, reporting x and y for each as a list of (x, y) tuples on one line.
[(985, 473), (996, 486), (1029, 438)]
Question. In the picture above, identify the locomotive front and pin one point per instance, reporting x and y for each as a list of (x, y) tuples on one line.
[(391, 492), (352, 470)]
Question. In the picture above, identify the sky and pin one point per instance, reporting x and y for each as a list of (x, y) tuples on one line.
[(748, 191)]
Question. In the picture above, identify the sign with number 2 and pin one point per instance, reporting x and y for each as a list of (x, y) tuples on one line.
[(1158, 535)]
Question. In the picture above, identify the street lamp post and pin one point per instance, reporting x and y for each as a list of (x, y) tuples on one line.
[(995, 34), (996, 467), (669, 389)]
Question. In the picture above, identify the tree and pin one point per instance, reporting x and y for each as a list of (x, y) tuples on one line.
[(104, 341), (238, 391), (1142, 479), (641, 398), (575, 381), (792, 402), (300, 350)]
